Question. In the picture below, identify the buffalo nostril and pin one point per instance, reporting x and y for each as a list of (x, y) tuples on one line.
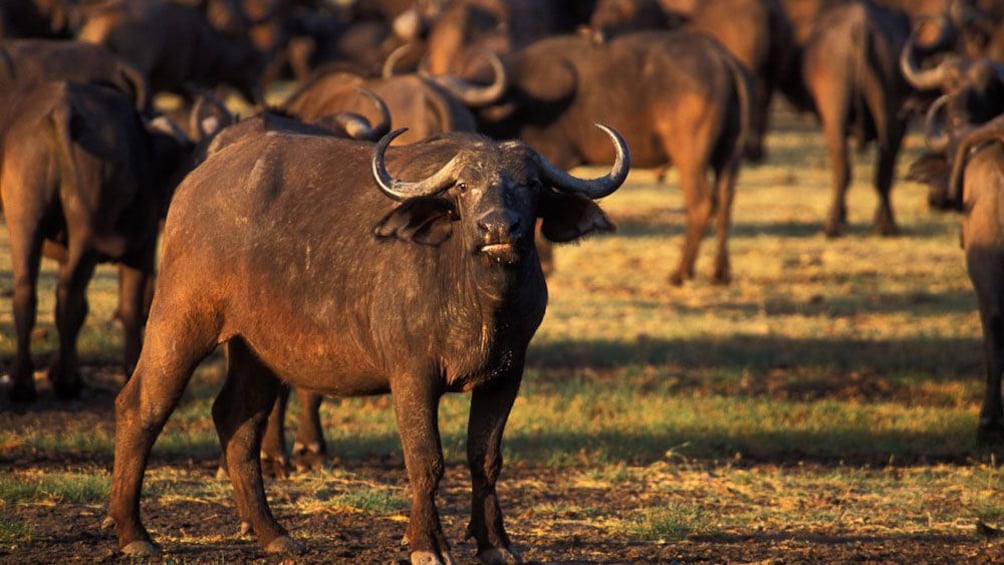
[(499, 222)]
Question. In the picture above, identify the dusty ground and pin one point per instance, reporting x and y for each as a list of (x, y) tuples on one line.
[(554, 515)]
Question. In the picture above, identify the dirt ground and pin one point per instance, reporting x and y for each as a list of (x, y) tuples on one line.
[(551, 516)]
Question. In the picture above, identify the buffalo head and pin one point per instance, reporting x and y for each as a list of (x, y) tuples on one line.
[(494, 205)]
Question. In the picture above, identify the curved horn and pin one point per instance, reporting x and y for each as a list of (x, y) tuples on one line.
[(936, 139), (925, 79), (401, 190), (990, 131), (593, 188), (390, 63), (380, 128), (470, 94)]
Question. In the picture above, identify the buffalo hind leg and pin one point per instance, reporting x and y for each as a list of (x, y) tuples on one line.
[(26, 256), (71, 310), (309, 449), (698, 202), (885, 223), (833, 115), (132, 309), (725, 191), (174, 346), (490, 409), (987, 276), (274, 457), (416, 405), (240, 413)]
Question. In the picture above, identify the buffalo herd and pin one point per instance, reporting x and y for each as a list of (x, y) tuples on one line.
[(386, 228)]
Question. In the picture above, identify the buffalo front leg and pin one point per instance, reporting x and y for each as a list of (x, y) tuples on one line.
[(240, 413), (71, 310), (173, 349), (490, 407), (416, 405), (987, 276), (833, 115)]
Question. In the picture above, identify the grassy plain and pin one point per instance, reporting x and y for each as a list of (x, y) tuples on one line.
[(822, 407)]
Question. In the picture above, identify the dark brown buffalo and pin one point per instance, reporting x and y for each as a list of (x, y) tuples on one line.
[(175, 47), (850, 66), (27, 63), (83, 180), (679, 98), (377, 260), (977, 189), (756, 32), (425, 104)]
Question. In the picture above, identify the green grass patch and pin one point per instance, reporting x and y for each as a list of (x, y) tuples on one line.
[(76, 488), (374, 500), (14, 531), (672, 523)]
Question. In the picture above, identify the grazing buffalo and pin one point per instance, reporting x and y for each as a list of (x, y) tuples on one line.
[(850, 67), (977, 189), (678, 97), (27, 63), (83, 180), (174, 47), (377, 260)]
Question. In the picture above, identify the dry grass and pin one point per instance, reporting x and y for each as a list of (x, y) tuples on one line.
[(830, 392)]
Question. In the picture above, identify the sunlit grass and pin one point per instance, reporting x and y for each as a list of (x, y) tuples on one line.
[(76, 488)]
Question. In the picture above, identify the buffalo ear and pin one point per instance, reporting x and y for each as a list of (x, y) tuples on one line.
[(567, 217), (424, 220)]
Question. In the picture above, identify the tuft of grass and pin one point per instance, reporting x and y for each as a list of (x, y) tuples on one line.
[(13, 531), (373, 500), (671, 523), (77, 488)]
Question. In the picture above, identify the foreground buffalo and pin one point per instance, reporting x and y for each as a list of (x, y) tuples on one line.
[(328, 273), (83, 180), (976, 188)]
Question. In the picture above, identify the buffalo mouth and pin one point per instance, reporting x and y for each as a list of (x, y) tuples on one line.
[(504, 252)]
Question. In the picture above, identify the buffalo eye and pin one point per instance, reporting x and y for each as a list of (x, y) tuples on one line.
[(462, 187)]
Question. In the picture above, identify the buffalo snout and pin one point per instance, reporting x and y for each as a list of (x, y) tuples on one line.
[(499, 226)]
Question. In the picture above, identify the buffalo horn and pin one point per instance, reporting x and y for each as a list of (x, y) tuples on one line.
[(358, 127), (936, 138), (925, 79), (389, 68), (593, 188), (401, 190), (473, 95)]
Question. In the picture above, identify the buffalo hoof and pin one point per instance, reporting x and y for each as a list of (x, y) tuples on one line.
[(245, 529), (676, 279), (285, 545), (309, 460), (23, 393), (274, 468), (990, 433), (430, 558), (141, 549), (108, 523), (721, 279), (66, 384), (887, 230), (499, 556), (834, 231)]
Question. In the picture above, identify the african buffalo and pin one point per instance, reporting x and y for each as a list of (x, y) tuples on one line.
[(377, 261), (678, 97), (174, 46), (977, 189), (425, 104), (756, 32), (972, 93), (27, 63), (83, 180), (851, 72)]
